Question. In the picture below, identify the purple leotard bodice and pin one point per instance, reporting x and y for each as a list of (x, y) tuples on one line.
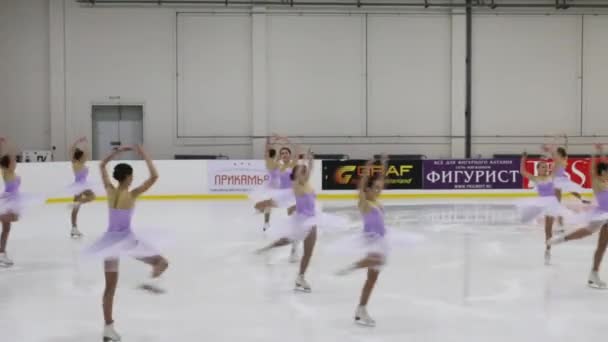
[(285, 179), (305, 204), (545, 189), (602, 200), (274, 176), (81, 176), (120, 220), (559, 171), (12, 187), (373, 222)]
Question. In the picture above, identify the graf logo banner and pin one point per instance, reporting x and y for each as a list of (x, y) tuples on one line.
[(236, 176), (578, 171), (345, 175), (472, 174)]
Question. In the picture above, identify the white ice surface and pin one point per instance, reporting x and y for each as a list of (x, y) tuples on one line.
[(476, 277)]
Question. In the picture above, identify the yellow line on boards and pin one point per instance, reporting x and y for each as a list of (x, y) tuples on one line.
[(238, 197)]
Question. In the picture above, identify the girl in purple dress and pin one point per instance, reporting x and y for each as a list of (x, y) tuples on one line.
[(81, 189), (9, 200), (302, 225), (545, 205), (120, 240), (372, 242), (596, 220), (561, 181), (264, 192)]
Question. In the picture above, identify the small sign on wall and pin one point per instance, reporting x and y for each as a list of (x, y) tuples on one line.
[(36, 156)]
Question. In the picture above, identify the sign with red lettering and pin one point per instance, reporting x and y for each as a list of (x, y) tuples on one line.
[(577, 170), (236, 176)]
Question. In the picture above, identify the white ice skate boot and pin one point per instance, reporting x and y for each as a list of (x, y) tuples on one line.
[(294, 256), (362, 317), (302, 284), (266, 226), (556, 240), (5, 261), (75, 233), (595, 281), (547, 257), (109, 334)]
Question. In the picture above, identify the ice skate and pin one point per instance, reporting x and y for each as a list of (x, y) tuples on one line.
[(547, 257), (302, 284), (363, 318), (109, 334), (75, 233), (556, 240), (5, 261), (595, 282), (266, 226)]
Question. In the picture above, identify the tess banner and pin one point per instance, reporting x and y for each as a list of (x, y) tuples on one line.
[(578, 170), (236, 175), (472, 174), (345, 175)]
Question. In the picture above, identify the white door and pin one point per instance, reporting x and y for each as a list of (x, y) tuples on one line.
[(115, 126)]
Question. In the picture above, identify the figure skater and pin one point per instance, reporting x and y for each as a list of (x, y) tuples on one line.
[(596, 220), (9, 200), (371, 242), (546, 204), (119, 240), (288, 163), (81, 189), (273, 167), (560, 179), (302, 226)]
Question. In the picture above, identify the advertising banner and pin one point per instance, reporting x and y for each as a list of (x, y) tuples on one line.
[(472, 174), (345, 175), (236, 176), (578, 170)]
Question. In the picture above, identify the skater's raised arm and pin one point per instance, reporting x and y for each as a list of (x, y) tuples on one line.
[(363, 185), (151, 168), (105, 178), (74, 147), (522, 168)]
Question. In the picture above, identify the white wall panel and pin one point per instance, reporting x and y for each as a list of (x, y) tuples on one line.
[(316, 69), (525, 75), (595, 75), (214, 84), (24, 73), (409, 75)]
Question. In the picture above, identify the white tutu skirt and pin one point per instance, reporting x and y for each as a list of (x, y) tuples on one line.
[(534, 208), (264, 192), (113, 245), (594, 216), (362, 244), (297, 226), (282, 198), (566, 185), (18, 203), (77, 188)]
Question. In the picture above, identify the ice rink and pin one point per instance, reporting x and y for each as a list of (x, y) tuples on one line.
[(477, 276)]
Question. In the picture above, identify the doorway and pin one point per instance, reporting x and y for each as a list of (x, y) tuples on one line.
[(117, 125)]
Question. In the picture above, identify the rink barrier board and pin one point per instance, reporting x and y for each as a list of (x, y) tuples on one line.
[(329, 197)]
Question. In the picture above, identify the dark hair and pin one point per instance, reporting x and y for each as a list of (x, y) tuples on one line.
[(272, 153), (295, 170), (5, 161), (122, 171), (562, 152), (78, 153), (285, 149), (601, 167)]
